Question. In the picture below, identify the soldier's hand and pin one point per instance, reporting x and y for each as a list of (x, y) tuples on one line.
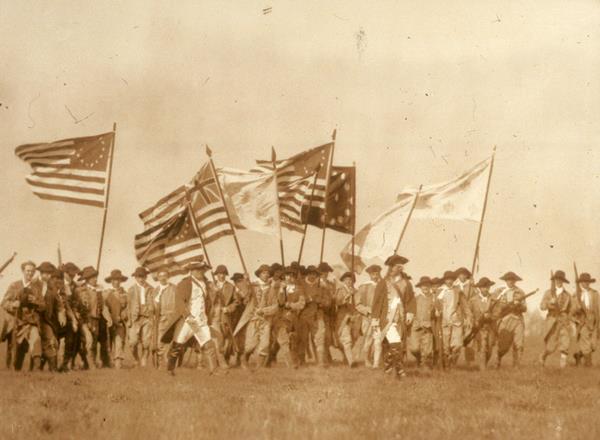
[(67, 278), (74, 326), (62, 319), (15, 304), (109, 323)]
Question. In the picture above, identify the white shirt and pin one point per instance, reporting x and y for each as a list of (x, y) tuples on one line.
[(44, 289), (161, 289), (559, 290), (197, 300), (585, 296), (483, 298), (142, 294)]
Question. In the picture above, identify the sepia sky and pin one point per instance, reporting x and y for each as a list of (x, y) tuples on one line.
[(417, 91)]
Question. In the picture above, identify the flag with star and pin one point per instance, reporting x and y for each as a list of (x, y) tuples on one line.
[(71, 170), (296, 183)]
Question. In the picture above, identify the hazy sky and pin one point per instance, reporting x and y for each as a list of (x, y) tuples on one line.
[(419, 91)]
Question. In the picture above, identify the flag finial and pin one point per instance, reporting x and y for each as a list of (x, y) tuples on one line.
[(208, 151), (273, 154), (333, 135)]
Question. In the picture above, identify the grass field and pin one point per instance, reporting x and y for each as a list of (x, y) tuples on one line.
[(308, 403)]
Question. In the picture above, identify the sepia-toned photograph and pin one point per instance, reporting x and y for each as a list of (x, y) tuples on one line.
[(287, 219)]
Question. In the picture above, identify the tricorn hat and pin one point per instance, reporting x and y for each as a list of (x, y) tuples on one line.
[(463, 270), (373, 268), (46, 267), (221, 268), (70, 268), (311, 269), (348, 275), (115, 275), (508, 276), (263, 268), (237, 277), (586, 278), (395, 259), (449, 274), (324, 267), (140, 272), (88, 272), (276, 267), (424, 281), (436, 280), (58, 274), (198, 265), (484, 282), (290, 270), (560, 275)]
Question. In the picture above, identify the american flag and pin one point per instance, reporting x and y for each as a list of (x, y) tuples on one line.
[(295, 179), (341, 206), (163, 217), (72, 170)]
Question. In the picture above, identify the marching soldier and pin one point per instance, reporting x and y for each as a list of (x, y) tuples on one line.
[(465, 283), (400, 281), (141, 311), (483, 316), (27, 333), (313, 317), (371, 347), (557, 327), (421, 335), (52, 312), (117, 304), (454, 312), (230, 304), (387, 316), (511, 327), (438, 348), (291, 301), (588, 327), (164, 308), (345, 301), (261, 306), (191, 318), (242, 292), (329, 313), (95, 328)]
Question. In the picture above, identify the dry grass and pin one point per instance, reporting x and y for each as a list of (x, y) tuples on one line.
[(309, 403)]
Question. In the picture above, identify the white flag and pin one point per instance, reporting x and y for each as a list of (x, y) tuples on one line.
[(458, 199), (251, 199)]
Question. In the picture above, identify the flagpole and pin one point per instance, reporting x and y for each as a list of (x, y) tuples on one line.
[(353, 218), (312, 193), (59, 255), (237, 244), (197, 230), (412, 208), (328, 176), (108, 181), (274, 161), (485, 200)]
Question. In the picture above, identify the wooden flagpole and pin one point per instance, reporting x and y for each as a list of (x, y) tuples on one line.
[(328, 177), (216, 177), (485, 200), (412, 208), (312, 194), (197, 230), (108, 181), (353, 218), (274, 162)]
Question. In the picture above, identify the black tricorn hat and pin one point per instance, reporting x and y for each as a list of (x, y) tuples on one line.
[(373, 268), (586, 278), (70, 268), (276, 267), (560, 275), (311, 269), (46, 267), (424, 281), (263, 268), (436, 280), (290, 270), (348, 275), (449, 274), (88, 272), (115, 274), (198, 265), (140, 272), (395, 259), (464, 270), (221, 268), (324, 267), (511, 276), (237, 277), (484, 282)]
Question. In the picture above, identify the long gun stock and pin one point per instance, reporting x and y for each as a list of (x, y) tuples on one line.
[(7, 262)]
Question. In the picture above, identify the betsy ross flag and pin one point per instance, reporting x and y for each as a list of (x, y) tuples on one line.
[(295, 182), (458, 199), (208, 210), (72, 170)]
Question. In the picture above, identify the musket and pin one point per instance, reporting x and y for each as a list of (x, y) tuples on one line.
[(7, 262), (477, 327), (580, 314)]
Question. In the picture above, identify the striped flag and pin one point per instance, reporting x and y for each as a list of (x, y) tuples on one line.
[(295, 178), (166, 238), (72, 170)]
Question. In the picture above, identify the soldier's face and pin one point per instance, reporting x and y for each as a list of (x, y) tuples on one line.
[(141, 280), (462, 277), (585, 285), (163, 277), (374, 276), (559, 283), (324, 275), (485, 291), (116, 284), (290, 278), (347, 282), (220, 277), (448, 282), (397, 269), (510, 283), (198, 274), (264, 275), (28, 272), (45, 276), (426, 289), (93, 281), (311, 277)]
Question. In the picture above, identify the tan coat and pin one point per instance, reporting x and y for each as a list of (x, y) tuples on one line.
[(261, 303), (136, 309)]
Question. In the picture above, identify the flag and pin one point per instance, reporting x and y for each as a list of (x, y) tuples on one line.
[(205, 201), (174, 244), (295, 181), (251, 199), (72, 170), (340, 202), (458, 199)]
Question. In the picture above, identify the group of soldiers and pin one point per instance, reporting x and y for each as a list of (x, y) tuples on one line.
[(287, 315)]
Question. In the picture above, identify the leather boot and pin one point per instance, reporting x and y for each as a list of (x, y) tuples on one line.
[(563, 360), (578, 356), (349, 357), (262, 361), (52, 364), (587, 360), (244, 358), (86, 364), (144, 358), (221, 359), (173, 357), (211, 360), (36, 363)]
